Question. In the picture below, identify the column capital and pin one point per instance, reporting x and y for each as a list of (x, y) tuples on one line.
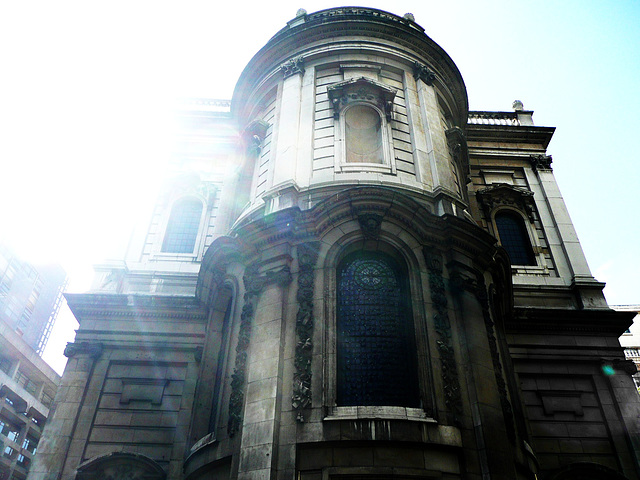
[(93, 349)]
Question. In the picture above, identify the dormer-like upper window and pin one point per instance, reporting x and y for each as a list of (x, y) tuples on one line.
[(363, 109), (183, 226), (514, 238)]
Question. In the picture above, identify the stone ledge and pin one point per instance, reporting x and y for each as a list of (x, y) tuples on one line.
[(378, 413)]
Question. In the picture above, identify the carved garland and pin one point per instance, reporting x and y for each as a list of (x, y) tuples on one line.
[(450, 380), (301, 397), (507, 410), (253, 284)]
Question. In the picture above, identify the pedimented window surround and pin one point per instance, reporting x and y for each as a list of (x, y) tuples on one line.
[(358, 101), (503, 197)]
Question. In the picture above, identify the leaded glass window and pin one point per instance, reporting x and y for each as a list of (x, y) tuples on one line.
[(514, 238), (183, 225), (375, 339)]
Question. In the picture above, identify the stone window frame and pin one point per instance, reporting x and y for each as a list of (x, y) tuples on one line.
[(196, 254), (378, 96), (332, 411), (500, 197), (541, 265)]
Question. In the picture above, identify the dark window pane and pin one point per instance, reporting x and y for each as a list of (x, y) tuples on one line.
[(376, 359), (514, 239), (182, 229)]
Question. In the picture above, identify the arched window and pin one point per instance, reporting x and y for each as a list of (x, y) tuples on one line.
[(514, 238), (376, 361), (363, 134), (182, 228)]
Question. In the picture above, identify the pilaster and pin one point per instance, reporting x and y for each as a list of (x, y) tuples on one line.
[(54, 450), (264, 382), (285, 157)]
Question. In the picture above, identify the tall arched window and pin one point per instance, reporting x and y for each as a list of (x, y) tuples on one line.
[(376, 361), (514, 238), (363, 133), (182, 228)]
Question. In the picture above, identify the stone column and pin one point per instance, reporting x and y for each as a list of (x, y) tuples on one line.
[(430, 116), (420, 135), (285, 156), (64, 413)]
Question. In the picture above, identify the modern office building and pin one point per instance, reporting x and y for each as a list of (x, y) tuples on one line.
[(27, 388), (351, 276), (30, 297)]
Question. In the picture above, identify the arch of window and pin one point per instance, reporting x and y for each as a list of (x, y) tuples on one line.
[(183, 226), (514, 238), (376, 353)]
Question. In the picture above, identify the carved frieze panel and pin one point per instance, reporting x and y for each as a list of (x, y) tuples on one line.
[(502, 194)]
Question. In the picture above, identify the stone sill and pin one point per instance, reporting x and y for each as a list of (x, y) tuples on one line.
[(364, 168), (173, 257), (375, 413), (517, 270)]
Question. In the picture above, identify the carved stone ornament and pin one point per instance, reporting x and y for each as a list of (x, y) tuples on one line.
[(541, 162), (254, 135), (503, 194), (507, 409), (292, 67), (361, 90), (302, 398), (253, 284), (370, 225), (422, 72), (450, 380), (120, 466), (626, 366), (457, 143), (92, 349)]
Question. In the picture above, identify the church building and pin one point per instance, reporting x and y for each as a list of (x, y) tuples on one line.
[(351, 276)]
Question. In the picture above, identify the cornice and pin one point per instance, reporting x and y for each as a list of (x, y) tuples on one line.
[(138, 306), (528, 134), (558, 320), (328, 27)]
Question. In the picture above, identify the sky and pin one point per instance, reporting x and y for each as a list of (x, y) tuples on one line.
[(86, 91)]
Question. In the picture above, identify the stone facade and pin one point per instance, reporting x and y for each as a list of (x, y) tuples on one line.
[(371, 220)]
